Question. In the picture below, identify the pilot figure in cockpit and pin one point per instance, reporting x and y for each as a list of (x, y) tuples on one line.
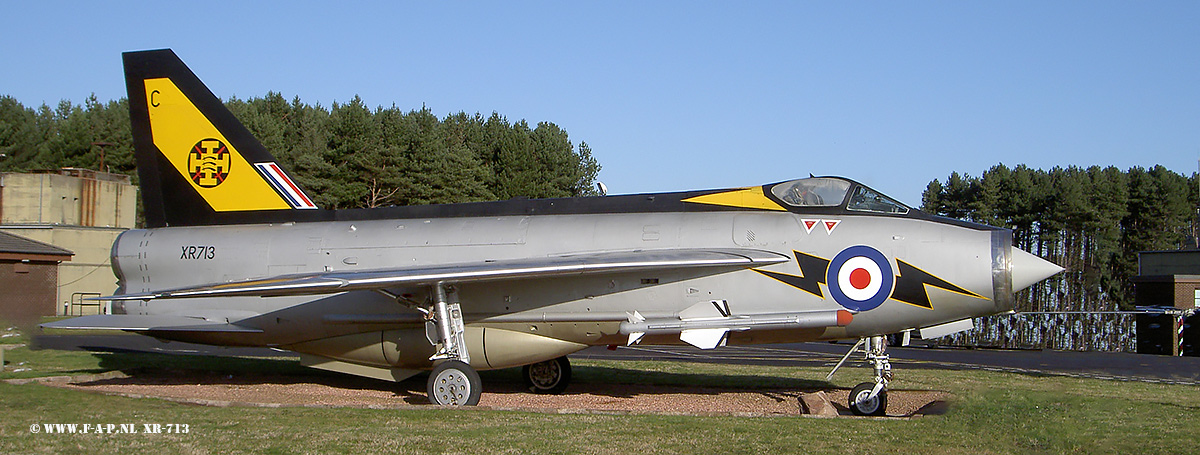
[(802, 193)]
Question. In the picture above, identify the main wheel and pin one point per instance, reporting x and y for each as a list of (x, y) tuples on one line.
[(551, 376), (454, 383), (862, 406)]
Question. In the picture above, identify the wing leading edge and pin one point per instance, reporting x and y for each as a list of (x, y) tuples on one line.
[(507, 269)]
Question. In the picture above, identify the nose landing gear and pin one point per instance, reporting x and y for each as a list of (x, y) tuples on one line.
[(870, 398)]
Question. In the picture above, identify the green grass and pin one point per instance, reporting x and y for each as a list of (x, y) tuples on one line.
[(992, 413), (9, 334)]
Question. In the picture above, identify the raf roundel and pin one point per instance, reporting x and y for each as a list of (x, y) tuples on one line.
[(860, 278)]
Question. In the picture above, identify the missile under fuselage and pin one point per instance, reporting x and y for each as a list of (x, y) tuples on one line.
[(710, 332)]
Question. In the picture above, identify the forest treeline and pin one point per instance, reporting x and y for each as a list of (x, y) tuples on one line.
[(1092, 221), (346, 156)]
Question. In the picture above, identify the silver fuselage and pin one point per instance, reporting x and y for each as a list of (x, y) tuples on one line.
[(583, 309)]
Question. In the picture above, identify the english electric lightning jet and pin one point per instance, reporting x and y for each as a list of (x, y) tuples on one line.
[(235, 253)]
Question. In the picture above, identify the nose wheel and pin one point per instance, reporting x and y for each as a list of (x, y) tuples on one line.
[(870, 398), (864, 401)]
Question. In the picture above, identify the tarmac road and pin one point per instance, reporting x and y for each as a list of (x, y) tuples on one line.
[(1096, 365)]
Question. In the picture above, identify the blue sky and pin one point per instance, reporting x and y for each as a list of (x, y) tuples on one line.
[(689, 95)]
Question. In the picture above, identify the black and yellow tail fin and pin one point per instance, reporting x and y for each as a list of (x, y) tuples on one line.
[(197, 164)]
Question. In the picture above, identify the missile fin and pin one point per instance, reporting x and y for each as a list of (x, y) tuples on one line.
[(635, 317), (635, 337), (704, 338)]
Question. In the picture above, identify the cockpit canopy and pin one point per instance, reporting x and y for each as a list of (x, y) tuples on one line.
[(834, 192)]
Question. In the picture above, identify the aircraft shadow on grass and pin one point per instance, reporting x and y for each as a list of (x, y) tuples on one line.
[(615, 382)]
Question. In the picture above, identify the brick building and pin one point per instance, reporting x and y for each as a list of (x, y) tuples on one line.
[(1169, 280), (28, 277)]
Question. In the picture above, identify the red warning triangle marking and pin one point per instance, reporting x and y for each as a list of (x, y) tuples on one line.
[(809, 225), (830, 224)]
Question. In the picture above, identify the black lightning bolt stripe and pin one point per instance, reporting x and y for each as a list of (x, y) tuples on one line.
[(812, 274), (910, 286)]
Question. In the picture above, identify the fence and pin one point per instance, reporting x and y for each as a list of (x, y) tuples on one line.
[(1066, 331), (78, 302)]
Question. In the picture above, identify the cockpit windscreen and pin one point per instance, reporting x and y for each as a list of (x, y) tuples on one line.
[(867, 200)]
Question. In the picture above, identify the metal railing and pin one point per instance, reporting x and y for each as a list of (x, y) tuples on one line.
[(77, 301)]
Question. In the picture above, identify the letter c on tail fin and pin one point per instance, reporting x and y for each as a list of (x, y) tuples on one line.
[(197, 164)]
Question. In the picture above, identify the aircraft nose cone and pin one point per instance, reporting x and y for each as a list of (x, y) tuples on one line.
[(1028, 269)]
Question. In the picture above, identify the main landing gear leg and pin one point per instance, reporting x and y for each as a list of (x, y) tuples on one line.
[(870, 398), (453, 382)]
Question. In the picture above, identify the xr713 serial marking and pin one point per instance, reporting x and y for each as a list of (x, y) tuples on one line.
[(198, 252)]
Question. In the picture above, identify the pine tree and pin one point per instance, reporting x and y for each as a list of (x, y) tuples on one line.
[(344, 157)]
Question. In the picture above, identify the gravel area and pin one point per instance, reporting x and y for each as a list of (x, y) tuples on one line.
[(274, 391)]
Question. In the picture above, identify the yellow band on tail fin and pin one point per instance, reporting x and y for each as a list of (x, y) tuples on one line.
[(197, 164), (203, 156)]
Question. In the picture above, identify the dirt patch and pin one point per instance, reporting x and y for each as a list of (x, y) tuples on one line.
[(277, 391)]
